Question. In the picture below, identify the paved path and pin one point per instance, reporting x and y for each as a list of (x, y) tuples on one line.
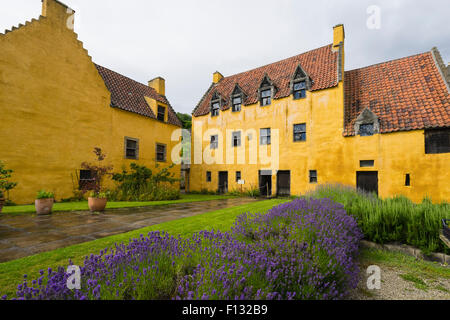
[(25, 235)]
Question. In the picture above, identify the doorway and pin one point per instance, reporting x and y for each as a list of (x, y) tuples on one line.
[(223, 182), (265, 183), (367, 181), (283, 183)]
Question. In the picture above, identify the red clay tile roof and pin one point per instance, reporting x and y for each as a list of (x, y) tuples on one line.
[(128, 95), (320, 64), (405, 94)]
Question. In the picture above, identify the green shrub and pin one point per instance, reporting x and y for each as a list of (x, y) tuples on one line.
[(42, 194), (395, 219), (141, 184), (5, 185)]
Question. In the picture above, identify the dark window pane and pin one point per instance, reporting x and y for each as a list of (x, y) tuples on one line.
[(299, 85), (300, 132), (161, 113), (214, 142), (408, 180), (238, 176), (131, 144), (437, 141), (208, 176), (366, 163), (160, 152), (236, 139), (266, 93), (313, 176), (366, 129)]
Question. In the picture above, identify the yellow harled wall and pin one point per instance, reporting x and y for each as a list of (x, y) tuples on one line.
[(335, 157), (55, 108)]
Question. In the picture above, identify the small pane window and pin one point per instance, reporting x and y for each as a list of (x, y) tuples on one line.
[(87, 180), (366, 163), (312, 176), (131, 148), (266, 97), (437, 141), (300, 132), (265, 136), (161, 113), (160, 152), (215, 107), (238, 176), (299, 90), (208, 176), (236, 139), (214, 142), (237, 103), (408, 180), (366, 129)]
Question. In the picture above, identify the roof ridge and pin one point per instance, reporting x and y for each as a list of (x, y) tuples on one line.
[(272, 63), (388, 61)]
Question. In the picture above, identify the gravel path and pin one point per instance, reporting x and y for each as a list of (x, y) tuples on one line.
[(394, 287)]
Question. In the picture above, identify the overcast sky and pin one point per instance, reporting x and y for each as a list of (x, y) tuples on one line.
[(185, 41)]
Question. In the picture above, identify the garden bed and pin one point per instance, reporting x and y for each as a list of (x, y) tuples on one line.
[(305, 249)]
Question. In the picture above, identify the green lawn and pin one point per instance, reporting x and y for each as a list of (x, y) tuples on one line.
[(83, 205), (11, 273)]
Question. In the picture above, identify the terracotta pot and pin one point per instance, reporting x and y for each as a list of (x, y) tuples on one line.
[(97, 204), (44, 206), (2, 203)]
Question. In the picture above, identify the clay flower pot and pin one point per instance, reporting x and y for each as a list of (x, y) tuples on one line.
[(2, 203), (97, 204), (44, 206)]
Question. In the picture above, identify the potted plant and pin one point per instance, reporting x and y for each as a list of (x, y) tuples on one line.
[(44, 202), (5, 184), (97, 197)]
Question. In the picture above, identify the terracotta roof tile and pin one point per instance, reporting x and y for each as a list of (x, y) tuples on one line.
[(128, 95), (320, 65), (405, 94)]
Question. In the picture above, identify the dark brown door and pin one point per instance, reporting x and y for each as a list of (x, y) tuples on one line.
[(283, 183), (367, 181), (265, 183), (223, 182)]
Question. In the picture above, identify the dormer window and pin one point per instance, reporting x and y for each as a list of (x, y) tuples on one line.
[(215, 104), (299, 91), (367, 123), (266, 97), (300, 82), (366, 130), (237, 98), (215, 107), (237, 104), (266, 91), (161, 113)]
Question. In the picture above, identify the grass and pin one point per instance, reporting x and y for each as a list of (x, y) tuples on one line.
[(11, 273), (406, 263), (83, 205)]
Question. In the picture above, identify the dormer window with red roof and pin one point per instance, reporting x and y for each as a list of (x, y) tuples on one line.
[(266, 91), (215, 105), (300, 82)]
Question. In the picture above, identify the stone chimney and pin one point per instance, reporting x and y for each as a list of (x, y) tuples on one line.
[(338, 35), (58, 12), (217, 76), (159, 84)]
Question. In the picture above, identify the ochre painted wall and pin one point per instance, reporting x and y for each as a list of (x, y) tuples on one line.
[(335, 157), (55, 108)]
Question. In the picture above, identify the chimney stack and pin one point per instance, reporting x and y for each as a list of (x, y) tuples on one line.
[(159, 84), (338, 35), (58, 12), (217, 76)]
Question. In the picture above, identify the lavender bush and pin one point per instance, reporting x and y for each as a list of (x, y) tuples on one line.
[(305, 249)]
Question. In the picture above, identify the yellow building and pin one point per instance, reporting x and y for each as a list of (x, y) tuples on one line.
[(56, 105), (285, 127)]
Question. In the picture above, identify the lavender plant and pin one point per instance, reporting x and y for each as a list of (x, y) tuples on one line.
[(305, 249)]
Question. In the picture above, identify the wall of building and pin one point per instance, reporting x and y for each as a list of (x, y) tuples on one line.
[(335, 157), (55, 109)]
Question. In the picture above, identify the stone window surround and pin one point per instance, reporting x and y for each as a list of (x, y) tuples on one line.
[(367, 117)]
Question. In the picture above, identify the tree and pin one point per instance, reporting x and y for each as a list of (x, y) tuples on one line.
[(185, 119), (5, 184)]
